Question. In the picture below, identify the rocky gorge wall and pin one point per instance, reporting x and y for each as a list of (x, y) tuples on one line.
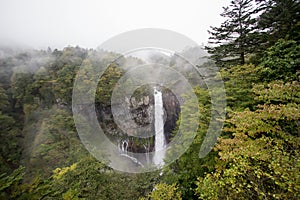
[(141, 112)]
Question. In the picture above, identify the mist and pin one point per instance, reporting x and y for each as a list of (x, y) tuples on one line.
[(58, 24)]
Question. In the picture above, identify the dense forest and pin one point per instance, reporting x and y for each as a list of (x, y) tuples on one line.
[(257, 49)]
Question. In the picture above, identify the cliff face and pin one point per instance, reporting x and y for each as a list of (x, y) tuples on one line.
[(172, 111), (141, 112)]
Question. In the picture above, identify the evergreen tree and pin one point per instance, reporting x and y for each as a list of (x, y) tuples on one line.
[(278, 19), (232, 41)]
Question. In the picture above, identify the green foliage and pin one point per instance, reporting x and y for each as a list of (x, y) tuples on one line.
[(257, 157), (22, 88), (282, 61), (49, 140), (233, 37), (164, 191), (278, 19), (63, 84), (43, 84), (107, 83), (262, 159), (3, 99), (249, 29), (9, 183), (72, 56), (55, 144), (189, 166), (89, 179), (238, 83), (10, 149), (278, 92)]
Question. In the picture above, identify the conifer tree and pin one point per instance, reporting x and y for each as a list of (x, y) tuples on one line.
[(233, 40), (278, 19)]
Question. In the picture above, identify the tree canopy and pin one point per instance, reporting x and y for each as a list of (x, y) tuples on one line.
[(256, 157)]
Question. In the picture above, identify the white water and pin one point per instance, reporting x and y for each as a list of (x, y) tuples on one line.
[(123, 148), (133, 159), (160, 141), (147, 153)]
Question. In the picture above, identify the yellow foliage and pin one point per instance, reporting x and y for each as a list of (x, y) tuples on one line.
[(59, 172)]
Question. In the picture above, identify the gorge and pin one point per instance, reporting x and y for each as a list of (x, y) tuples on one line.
[(156, 109)]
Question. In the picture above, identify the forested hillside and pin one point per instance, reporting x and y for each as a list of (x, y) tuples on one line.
[(257, 49)]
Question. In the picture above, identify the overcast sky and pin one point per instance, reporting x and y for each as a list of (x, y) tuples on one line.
[(88, 23)]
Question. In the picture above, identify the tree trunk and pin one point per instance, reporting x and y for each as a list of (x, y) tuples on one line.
[(242, 58)]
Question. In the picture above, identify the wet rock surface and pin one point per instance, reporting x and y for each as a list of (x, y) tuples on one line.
[(141, 111)]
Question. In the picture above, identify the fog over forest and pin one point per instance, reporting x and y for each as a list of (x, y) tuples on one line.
[(150, 100)]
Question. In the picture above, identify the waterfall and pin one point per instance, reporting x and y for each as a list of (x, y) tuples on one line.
[(147, 152), (160, 141), (124, 146), (123, 149)]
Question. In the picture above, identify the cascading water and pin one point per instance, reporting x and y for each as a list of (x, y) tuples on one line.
[(123, 148), (160, 141), (147, 147)]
